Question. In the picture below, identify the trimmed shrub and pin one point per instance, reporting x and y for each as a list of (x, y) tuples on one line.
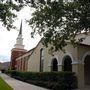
[(51, 80)]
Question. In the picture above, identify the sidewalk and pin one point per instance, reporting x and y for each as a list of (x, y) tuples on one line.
[(19, 85)]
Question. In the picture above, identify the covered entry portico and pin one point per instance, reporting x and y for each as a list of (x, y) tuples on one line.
[(87, 70), (84, 71)]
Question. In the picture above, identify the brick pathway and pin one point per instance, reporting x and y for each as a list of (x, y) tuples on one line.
[(19, 85)]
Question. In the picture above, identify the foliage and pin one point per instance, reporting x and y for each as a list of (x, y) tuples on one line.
[(7, 15), (52, 80), (60, 21)]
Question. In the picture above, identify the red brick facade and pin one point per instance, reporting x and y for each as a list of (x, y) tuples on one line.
[(15, 53), (22, 62), (22, 65)]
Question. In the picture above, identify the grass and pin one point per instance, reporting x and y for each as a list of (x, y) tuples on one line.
[(4, 85)]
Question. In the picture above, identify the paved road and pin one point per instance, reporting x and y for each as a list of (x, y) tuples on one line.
[(19, 85)]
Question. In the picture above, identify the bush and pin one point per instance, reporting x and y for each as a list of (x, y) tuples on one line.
[(51, 80)]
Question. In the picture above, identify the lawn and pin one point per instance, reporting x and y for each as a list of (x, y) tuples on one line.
[(4, 85)]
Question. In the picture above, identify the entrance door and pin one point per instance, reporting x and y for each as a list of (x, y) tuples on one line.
[(67, 64), (54, 65), (87, 70)]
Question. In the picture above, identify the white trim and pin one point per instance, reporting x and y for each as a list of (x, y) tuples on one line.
[(55, 56), (83, 58), (18, 49), (76, 62), (59, 64), (49, 65), (67, 54), (52, 57)]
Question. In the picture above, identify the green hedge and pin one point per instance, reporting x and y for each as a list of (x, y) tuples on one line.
[(52, 80)]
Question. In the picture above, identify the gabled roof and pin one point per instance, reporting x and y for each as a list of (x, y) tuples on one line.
[(30, 52), (26, 54)]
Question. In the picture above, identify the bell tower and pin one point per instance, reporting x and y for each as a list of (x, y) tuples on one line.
[(18, 49), (19, 41)]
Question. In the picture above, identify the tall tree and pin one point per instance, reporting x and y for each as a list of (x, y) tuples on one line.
[(6, 12), (60, 21)]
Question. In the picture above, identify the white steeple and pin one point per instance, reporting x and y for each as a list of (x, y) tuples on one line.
[(19, 41)]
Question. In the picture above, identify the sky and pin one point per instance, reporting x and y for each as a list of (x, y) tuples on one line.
[(8, 38)]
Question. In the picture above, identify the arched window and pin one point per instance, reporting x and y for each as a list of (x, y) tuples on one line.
[(67, 64), (41, 59), (54, 65)]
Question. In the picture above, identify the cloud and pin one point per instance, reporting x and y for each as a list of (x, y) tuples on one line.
[(4, 58)]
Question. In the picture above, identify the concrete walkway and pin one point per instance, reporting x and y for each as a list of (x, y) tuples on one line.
[(19, 85)]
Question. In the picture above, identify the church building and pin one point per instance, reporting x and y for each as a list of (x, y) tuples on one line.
[(18, 49), (39, 59)]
